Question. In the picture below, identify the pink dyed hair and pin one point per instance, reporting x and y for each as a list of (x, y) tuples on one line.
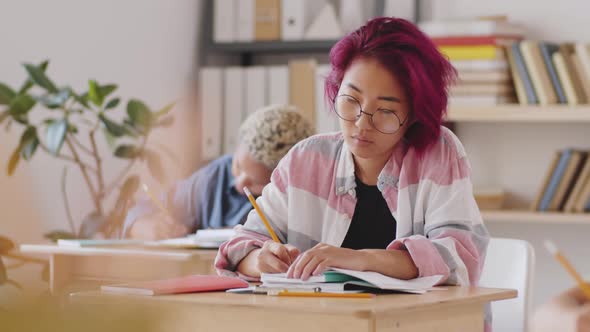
[(413, 58)]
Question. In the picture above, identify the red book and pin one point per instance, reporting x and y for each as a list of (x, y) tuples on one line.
[(474, 40), (188, 284)]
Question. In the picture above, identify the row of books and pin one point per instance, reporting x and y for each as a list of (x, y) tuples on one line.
[(566, 186), (475, 48), (528, 71), (287, 20), (229, 94), (549, 73)]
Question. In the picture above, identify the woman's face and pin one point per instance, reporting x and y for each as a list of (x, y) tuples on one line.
[(376, 90), (249, 173)]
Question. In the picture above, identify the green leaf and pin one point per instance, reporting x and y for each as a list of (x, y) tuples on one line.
[(28, 83), (165, 110), (6, 94), (56, 134), (3, 273), (4, 115), (55, 100), (114, 128), (112, 103), (106, 90), (81, 99), (29, 142), (59, 234), (13, 161), (139, 114), (94, 94), (127, 151), (154, 164), (21, 104), (91, 225), (109, 138), (37, 75), (6, 245)]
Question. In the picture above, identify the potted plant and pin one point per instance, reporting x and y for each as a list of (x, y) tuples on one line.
[(70, 126)]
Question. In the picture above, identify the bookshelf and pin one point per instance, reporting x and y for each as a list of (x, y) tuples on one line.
[(520, 113), (534, 217)]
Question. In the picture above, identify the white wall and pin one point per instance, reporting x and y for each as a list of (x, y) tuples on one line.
[(516, 156), (148, 47)]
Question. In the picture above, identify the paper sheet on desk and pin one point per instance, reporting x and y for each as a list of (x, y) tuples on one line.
[(204, 238)]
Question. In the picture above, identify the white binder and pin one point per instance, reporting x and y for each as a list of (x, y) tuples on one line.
[(245, 18), (223, 21), (234, 101), (255, 88), (326, 119), (278, 85), (211, 102)]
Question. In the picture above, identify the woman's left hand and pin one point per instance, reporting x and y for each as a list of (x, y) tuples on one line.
[(322, 256)]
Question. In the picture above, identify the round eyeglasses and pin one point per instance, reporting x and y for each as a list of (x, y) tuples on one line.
[(384, 121)]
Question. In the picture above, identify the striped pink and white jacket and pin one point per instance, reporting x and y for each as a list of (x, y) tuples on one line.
[(311, 199)]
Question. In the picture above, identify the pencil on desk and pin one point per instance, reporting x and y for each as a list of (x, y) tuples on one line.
[(552, 248), (259, 211), (320, 294), (156, 201)]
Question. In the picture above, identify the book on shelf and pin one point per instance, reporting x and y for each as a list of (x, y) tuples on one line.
[(538, 72), (477, 52), (583, 176), (547, 51), (546, 179), (479, 65), (496, 89), (523, 73), (521, 94), (555, 179), (567, 51), (567, 179), (471, 27), (565, 78), (583, 199), (481, 40), (484, 76)]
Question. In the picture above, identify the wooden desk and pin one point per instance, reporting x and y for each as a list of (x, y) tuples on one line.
[(456, 309), (86, 268)]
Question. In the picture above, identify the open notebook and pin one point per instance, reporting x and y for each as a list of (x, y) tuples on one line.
[(338, 280)]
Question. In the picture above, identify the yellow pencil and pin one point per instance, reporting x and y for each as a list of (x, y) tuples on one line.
[(156, 201), (584, 286), (320, 294), (259, 211)]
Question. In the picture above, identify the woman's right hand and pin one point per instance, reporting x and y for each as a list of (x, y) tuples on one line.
[(156, 227), (273, 257)]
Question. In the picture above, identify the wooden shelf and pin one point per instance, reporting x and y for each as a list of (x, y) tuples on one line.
[(303, 46), (519, 113), (522, 216)]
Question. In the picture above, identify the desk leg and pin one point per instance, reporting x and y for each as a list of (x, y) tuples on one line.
[(60, 272)]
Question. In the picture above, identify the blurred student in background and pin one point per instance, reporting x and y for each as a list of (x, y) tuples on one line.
[(213, 196), (567, 312)]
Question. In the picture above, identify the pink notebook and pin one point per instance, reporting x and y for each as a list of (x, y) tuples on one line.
[(188, 284)]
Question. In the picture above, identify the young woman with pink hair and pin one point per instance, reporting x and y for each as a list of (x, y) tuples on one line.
[(391, 192)]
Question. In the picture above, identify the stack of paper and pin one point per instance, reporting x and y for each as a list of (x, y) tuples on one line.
[(338, 280)]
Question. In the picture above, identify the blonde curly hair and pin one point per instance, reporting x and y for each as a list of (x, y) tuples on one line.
[(270, 132)]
